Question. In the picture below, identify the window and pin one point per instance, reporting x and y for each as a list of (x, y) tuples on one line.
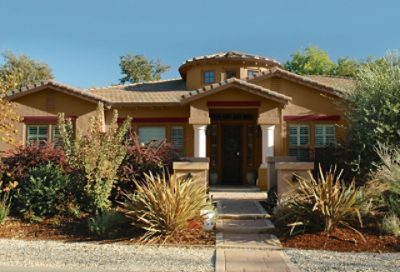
[(178, 139), (209, 77), (252, 73), (324, 135), (230, 74), (148, 134), (299, 141), (37, 134)]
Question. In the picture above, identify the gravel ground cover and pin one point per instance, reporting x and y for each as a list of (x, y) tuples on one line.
[(319, 260), (104, 257)]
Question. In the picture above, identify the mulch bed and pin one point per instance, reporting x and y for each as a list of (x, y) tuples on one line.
[(62, 229), (344, 239)]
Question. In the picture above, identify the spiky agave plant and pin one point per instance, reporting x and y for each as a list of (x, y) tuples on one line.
[(163, 205), (323, 203)]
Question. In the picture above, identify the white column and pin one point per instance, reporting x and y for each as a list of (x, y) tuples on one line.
[(200, 146), (268, 140)]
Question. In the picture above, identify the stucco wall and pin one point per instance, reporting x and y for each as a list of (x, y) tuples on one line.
[(36, 104)]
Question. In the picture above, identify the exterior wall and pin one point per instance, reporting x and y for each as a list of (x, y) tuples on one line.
[(36, 104), (305, 101)]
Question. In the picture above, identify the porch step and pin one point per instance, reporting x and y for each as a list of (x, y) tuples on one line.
[(263, 241), (245, 226), (243, 216)]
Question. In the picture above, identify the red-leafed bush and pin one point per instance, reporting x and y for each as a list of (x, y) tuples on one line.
[(16, 162), (155, 157)]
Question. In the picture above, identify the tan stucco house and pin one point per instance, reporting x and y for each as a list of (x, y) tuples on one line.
[(237, 109)]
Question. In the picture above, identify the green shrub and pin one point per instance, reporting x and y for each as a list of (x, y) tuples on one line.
[(44, 192), (98, 155), (391, 225), (322, 204), (164, 207), (388, 174), (105, 224), (372, 113)]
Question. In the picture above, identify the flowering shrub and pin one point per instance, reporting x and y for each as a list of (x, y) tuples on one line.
[(16, 162), (155, 157), (98, 155)]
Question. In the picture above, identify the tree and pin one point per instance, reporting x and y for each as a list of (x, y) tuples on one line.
[(346, 67), (315, 61), (310, 61), (373, 112), (137, 68), (8, 115), (26, 70)]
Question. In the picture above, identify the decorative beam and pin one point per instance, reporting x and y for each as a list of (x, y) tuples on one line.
[(233, 103), (157, 120), (44, 119), (312, 117)]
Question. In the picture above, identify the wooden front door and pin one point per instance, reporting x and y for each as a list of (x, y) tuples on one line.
[(232, 154)]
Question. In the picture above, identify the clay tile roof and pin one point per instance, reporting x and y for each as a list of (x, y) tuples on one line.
[(13, 94), (312, 81), (342, 83), (162, 91), (253, 88), (229, 55), (232, 55)]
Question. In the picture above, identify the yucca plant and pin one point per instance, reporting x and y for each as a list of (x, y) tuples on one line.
[(323, 203), (164, 205)]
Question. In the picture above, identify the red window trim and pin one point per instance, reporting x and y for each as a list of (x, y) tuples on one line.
[(44, 119), (233, 103), (157, 120), (311, 117)]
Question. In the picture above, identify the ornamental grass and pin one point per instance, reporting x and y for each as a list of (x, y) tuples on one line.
[(164, 206)]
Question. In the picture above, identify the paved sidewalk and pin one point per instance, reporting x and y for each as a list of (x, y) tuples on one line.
[(244, 241)]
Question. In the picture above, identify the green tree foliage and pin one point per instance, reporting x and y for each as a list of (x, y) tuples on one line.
[(26, 70), (373, 112), (137, 68), (315, 61), (8, 114), (346, 67), (310, 61), (98, 154)]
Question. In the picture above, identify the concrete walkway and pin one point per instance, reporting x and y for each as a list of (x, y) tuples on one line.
[(245, 241)]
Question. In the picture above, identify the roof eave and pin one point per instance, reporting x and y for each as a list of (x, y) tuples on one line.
[(248, 87), (298, 78), (23, 91)]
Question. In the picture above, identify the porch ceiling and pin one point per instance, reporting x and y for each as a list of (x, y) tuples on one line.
[(240, 84)]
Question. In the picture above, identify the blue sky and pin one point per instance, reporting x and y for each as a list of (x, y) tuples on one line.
[(82, 40)]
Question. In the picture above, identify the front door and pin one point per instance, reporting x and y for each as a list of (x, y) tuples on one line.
[(232, 154)]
